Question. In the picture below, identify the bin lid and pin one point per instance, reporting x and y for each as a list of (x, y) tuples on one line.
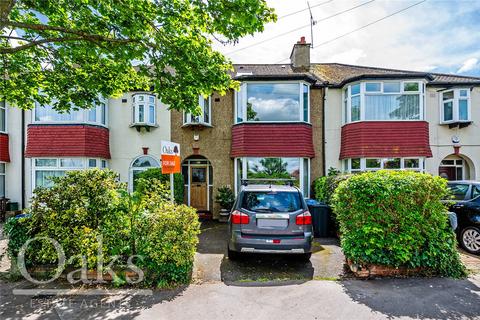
[(313, 202)]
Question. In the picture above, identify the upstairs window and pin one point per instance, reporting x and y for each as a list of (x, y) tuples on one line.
[(273, 102), (94, 115), (3, 117), (144, 111), (383, 101), (455, 106), (204, 118)]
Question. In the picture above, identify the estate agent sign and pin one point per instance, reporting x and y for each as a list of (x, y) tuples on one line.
[(170, 157)]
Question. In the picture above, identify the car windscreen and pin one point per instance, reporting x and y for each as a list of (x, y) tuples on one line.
[(458, 190), (265, 201)]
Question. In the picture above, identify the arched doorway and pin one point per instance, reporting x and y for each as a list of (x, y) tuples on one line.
[(198, 181), (455, 167), (138, 165)]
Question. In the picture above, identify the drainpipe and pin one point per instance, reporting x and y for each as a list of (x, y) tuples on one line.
[(23, 160), (324, 92)]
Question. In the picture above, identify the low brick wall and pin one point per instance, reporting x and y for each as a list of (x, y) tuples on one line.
[(375, 270)]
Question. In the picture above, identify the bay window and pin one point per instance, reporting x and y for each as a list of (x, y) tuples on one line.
[(455, 106), (2, 179), (273, 102), (3, 117), (204, 117), (373, 164), (296, 169), (144, 110), (44, 169), (95, 115), (383, 101)]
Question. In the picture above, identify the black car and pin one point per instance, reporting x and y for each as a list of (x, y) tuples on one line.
[(468, 230)]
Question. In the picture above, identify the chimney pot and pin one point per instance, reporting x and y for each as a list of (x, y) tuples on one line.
[(302, 40)]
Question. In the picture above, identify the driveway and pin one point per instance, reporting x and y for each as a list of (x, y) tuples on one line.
[(211, 263)]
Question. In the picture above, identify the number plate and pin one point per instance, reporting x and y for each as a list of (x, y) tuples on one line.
[(272, 223)]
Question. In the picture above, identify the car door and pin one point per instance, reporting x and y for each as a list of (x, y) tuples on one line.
[(460, 191)]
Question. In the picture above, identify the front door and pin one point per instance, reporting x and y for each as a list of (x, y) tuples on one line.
[(198, 188)]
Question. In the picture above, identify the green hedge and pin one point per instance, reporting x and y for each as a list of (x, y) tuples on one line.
[(156, 173), (324, 187), (85, 205), (396, 218)]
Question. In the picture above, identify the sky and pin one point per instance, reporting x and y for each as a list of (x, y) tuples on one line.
[(433, 36)]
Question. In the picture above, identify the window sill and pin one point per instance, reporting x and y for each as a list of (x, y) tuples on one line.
[(196, 124), (455, 124), (139, 126)]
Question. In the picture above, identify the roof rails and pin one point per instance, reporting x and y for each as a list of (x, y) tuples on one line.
[(287, 182)]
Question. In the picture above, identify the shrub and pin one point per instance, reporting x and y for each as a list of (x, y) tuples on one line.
[(79, 207), (16, 230), (225, 197), (396, 218), (324, 187), (156, 174), (167, 239)]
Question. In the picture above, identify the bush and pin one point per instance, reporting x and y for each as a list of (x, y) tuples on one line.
[(156, 174), (324, 187), (396, 218), (167, 240), (16, 230), (77, 209), (225, 197)]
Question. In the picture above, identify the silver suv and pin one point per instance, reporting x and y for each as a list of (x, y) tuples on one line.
[(270, 219)]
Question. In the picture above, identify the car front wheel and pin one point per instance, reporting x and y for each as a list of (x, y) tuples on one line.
[(470, 239)]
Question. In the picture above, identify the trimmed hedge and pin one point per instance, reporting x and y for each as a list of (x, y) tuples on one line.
[(396, 218)]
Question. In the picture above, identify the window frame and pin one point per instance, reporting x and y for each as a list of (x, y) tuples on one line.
[(58, 167), (3, 106), (347, 164), (241, 96), (101, 115), (4, 175), (347, 111), (146, 109), (243, 161), (201, 102), (455, 105)]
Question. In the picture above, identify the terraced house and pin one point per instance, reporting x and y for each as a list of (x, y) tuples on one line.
[(293, 120)]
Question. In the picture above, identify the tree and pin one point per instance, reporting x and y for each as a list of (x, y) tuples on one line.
[(64, 52), (272, 167)]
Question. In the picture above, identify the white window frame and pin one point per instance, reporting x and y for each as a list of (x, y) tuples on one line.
[(346, 118), (306, 193), (242, 96), (147, 121), (188, 118), (4, 175), (3, 106), (347, 164), (58, 167), (456, 105), (84, 116)]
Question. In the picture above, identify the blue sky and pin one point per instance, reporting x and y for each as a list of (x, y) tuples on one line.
[(434, 36)]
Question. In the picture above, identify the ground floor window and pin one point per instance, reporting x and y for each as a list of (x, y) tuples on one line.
[(297, 169), (2, 180), (140, 164), (44, 169), (373, 164)]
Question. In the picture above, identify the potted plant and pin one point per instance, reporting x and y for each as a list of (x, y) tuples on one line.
[(225, 197)]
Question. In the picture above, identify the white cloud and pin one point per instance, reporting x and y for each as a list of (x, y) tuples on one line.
[(468, 65), (352, 56)]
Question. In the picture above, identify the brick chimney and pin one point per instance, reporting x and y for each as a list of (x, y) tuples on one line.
[(300, 56)]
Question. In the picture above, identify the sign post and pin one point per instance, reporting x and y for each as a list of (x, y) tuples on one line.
[(170, 161)]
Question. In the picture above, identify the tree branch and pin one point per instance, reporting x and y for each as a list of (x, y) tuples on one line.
[(6, 7), (37, 43)]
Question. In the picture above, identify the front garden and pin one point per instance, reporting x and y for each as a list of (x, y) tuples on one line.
[(140, 238), (392, 223)]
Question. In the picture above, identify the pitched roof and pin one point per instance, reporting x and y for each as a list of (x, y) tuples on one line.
[(338, 74)]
